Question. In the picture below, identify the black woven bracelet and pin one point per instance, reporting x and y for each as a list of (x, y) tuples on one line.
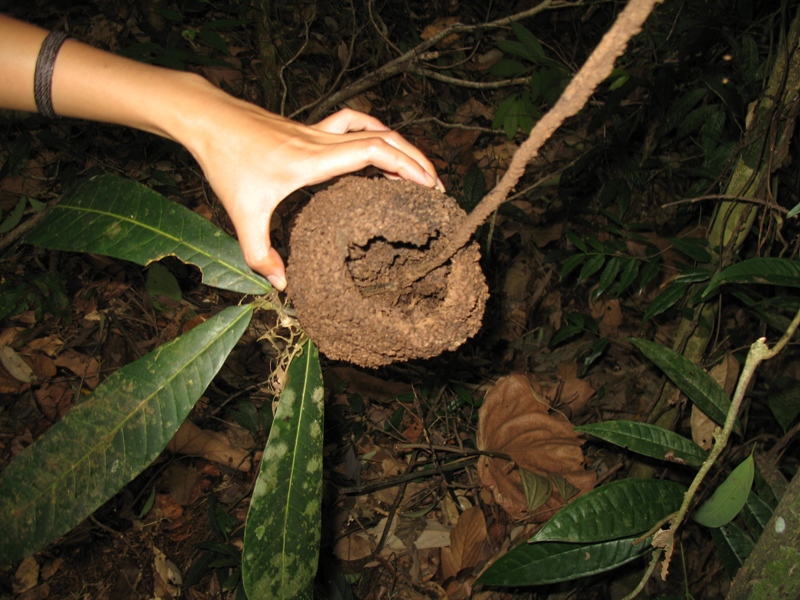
[(43, 77)]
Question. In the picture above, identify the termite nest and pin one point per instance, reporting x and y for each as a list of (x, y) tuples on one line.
[(350, 246)]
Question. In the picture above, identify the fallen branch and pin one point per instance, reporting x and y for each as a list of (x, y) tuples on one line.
[(594, 71), (413, 57)]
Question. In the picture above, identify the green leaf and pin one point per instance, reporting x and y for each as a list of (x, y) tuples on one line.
[(109, 438), (756, 513), (592, 266), (474, 188), (515, 48), (124, 219), (729, 498), (552, 562), (524, 35), (161, 282), (733, 545), (577, 242), (651, 269), (770, 271), (608, 276), (649, 440), (565, 333), (665, 300), (698, 385), (695, 248), (538, 488), (13, 219), (619, 509), (628, 276), (506, 68), (783, 400), (281, 540), (571, 264)]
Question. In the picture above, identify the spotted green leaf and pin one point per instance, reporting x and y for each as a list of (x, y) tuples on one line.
[(109, 438), (118, 217), (282, 534)]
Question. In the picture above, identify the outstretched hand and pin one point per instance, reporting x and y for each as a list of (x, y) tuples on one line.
[(253, 159)]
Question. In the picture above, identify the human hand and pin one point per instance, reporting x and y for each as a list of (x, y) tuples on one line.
[(253, 159)]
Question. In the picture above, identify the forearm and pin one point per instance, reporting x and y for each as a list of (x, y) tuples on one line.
[(92, 84)]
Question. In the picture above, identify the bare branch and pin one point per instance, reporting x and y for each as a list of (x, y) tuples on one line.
[(406, 61)]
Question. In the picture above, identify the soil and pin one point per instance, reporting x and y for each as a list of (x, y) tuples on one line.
[(356, 238)]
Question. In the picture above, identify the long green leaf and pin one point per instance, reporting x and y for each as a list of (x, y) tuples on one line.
[(771, 271), (698, 385), (733, 545), (121, 218), (616, 510), (109, 438), (649, 440), (553, 562), (729, 498), (756, 513), (281, 540)]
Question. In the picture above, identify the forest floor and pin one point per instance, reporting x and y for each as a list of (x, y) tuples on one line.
[(175, 531)]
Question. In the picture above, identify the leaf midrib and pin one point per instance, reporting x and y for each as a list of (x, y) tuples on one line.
[(94, 449), (177, 240)]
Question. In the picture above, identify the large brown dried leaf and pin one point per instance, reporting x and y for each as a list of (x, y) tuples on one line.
[(467, 542), (515, 419)]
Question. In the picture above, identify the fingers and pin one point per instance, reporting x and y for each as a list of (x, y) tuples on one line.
[(347, 120), (351, 121)]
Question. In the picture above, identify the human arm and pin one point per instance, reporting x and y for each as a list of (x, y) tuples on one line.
[(252, 158)]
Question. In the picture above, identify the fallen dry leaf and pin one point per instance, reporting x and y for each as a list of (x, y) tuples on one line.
[(515, 420), (726, 374), (211, 445), (467, 543), (439, 25), (357, 382), (26, 575), (83, 366), (607, 313)]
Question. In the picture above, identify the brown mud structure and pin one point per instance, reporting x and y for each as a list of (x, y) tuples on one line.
[(385, 271), (359, 237)]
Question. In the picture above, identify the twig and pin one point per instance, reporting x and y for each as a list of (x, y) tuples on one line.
[(648, 572), (396, 504), (368, 488), (594, 71), (413, 56), (476, 85), (759, 352)]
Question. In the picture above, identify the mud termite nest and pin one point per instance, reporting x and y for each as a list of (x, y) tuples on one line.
[(357, 238), (385, 271)]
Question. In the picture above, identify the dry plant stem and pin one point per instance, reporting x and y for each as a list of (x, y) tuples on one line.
[(594, 71), (648, 572), (401, 63), (759, 352)]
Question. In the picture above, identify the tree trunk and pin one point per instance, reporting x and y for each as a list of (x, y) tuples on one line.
[(772, 571)]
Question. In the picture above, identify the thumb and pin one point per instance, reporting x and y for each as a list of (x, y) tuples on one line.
[(263, 258)]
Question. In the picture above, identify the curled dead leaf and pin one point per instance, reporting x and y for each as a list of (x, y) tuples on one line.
[(515, 420)]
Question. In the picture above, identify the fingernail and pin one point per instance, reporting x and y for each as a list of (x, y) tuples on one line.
[(277, 281), (439, 185)]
